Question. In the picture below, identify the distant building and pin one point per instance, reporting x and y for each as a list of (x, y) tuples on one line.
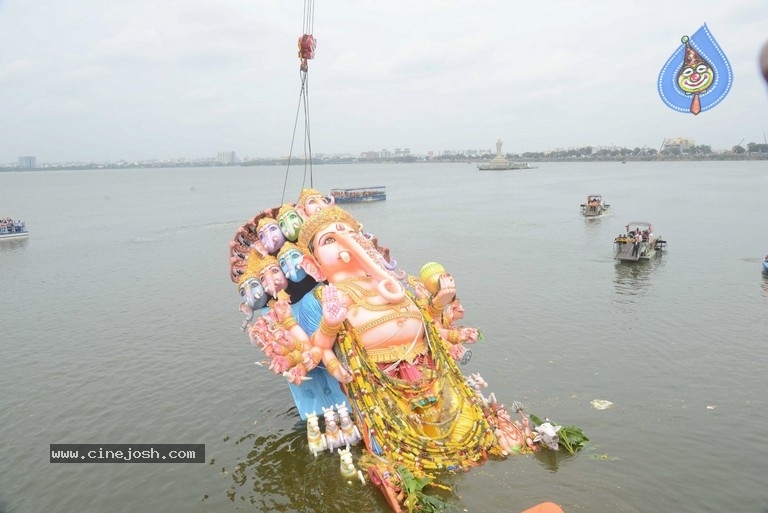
[(226, 157), (677, 145), (402, 152), (27, 162)]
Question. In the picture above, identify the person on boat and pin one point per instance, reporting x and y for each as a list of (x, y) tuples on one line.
[(636, 244)]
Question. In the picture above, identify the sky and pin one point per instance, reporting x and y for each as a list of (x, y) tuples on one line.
[(112, 80)]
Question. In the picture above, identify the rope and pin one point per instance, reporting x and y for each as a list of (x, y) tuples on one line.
[(307, 28)]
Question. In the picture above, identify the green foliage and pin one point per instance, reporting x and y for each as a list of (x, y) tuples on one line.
[(416, 499)]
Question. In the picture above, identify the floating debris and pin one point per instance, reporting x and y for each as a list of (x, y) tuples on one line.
[(601, 404)]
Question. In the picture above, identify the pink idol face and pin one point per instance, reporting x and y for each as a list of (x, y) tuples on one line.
[(330, 252), (314, 203), (273, 280), (271, 237)]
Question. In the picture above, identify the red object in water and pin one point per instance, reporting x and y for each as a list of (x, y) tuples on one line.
[(545, 507)]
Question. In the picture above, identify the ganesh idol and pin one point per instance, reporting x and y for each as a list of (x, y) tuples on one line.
[(361, 334), (413, 403), (310, 201)]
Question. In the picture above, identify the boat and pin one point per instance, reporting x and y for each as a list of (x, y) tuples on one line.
[(637, 243), (359, 194), (496, 165), (594, 206), (12, 229), (765, 264), (500, 162)]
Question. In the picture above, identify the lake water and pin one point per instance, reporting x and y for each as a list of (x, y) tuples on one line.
[(120, 325)]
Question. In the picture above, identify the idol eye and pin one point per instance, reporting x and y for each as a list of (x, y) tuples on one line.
[(701, 68), (687, 72), (242, 292), (327, 240)]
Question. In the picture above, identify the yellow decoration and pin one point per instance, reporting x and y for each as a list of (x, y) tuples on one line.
[(285, 208), (289, 322), (431, 424), (250, 272), (328, 330), (257, 263), (430, 276)]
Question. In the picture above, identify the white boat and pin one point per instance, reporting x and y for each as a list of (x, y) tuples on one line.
[(360, 194), (12, 228), (595, 206), (502, 165), (638, 243)]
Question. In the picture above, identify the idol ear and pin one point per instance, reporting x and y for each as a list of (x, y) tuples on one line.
[(310, 265)]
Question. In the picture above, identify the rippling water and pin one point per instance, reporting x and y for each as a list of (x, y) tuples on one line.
[(120, 326)]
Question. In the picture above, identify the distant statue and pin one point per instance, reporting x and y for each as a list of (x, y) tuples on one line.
[(498, 147)]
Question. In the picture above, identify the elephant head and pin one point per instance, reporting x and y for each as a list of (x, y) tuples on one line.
[(335, 250), (270, 235), (310, 201), (252, 292), (289, 221), (290, 257), (249, 284), (267, 270)]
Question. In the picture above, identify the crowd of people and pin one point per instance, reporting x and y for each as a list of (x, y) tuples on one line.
[(8, 225)]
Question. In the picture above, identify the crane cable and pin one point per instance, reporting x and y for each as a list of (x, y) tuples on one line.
[(306, 45)]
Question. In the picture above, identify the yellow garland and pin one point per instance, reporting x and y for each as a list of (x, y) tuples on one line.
[(387, 410)]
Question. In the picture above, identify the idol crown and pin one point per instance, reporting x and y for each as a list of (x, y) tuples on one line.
[(256, 264), (322, 218), (264, 221)]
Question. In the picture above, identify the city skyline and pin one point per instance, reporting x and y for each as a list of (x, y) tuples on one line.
[(669, 146)]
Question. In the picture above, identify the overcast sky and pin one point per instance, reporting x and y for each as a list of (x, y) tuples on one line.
[(105, 80)]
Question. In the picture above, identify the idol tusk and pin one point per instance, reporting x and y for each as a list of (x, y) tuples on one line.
[(288, 376), (344, 256)]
